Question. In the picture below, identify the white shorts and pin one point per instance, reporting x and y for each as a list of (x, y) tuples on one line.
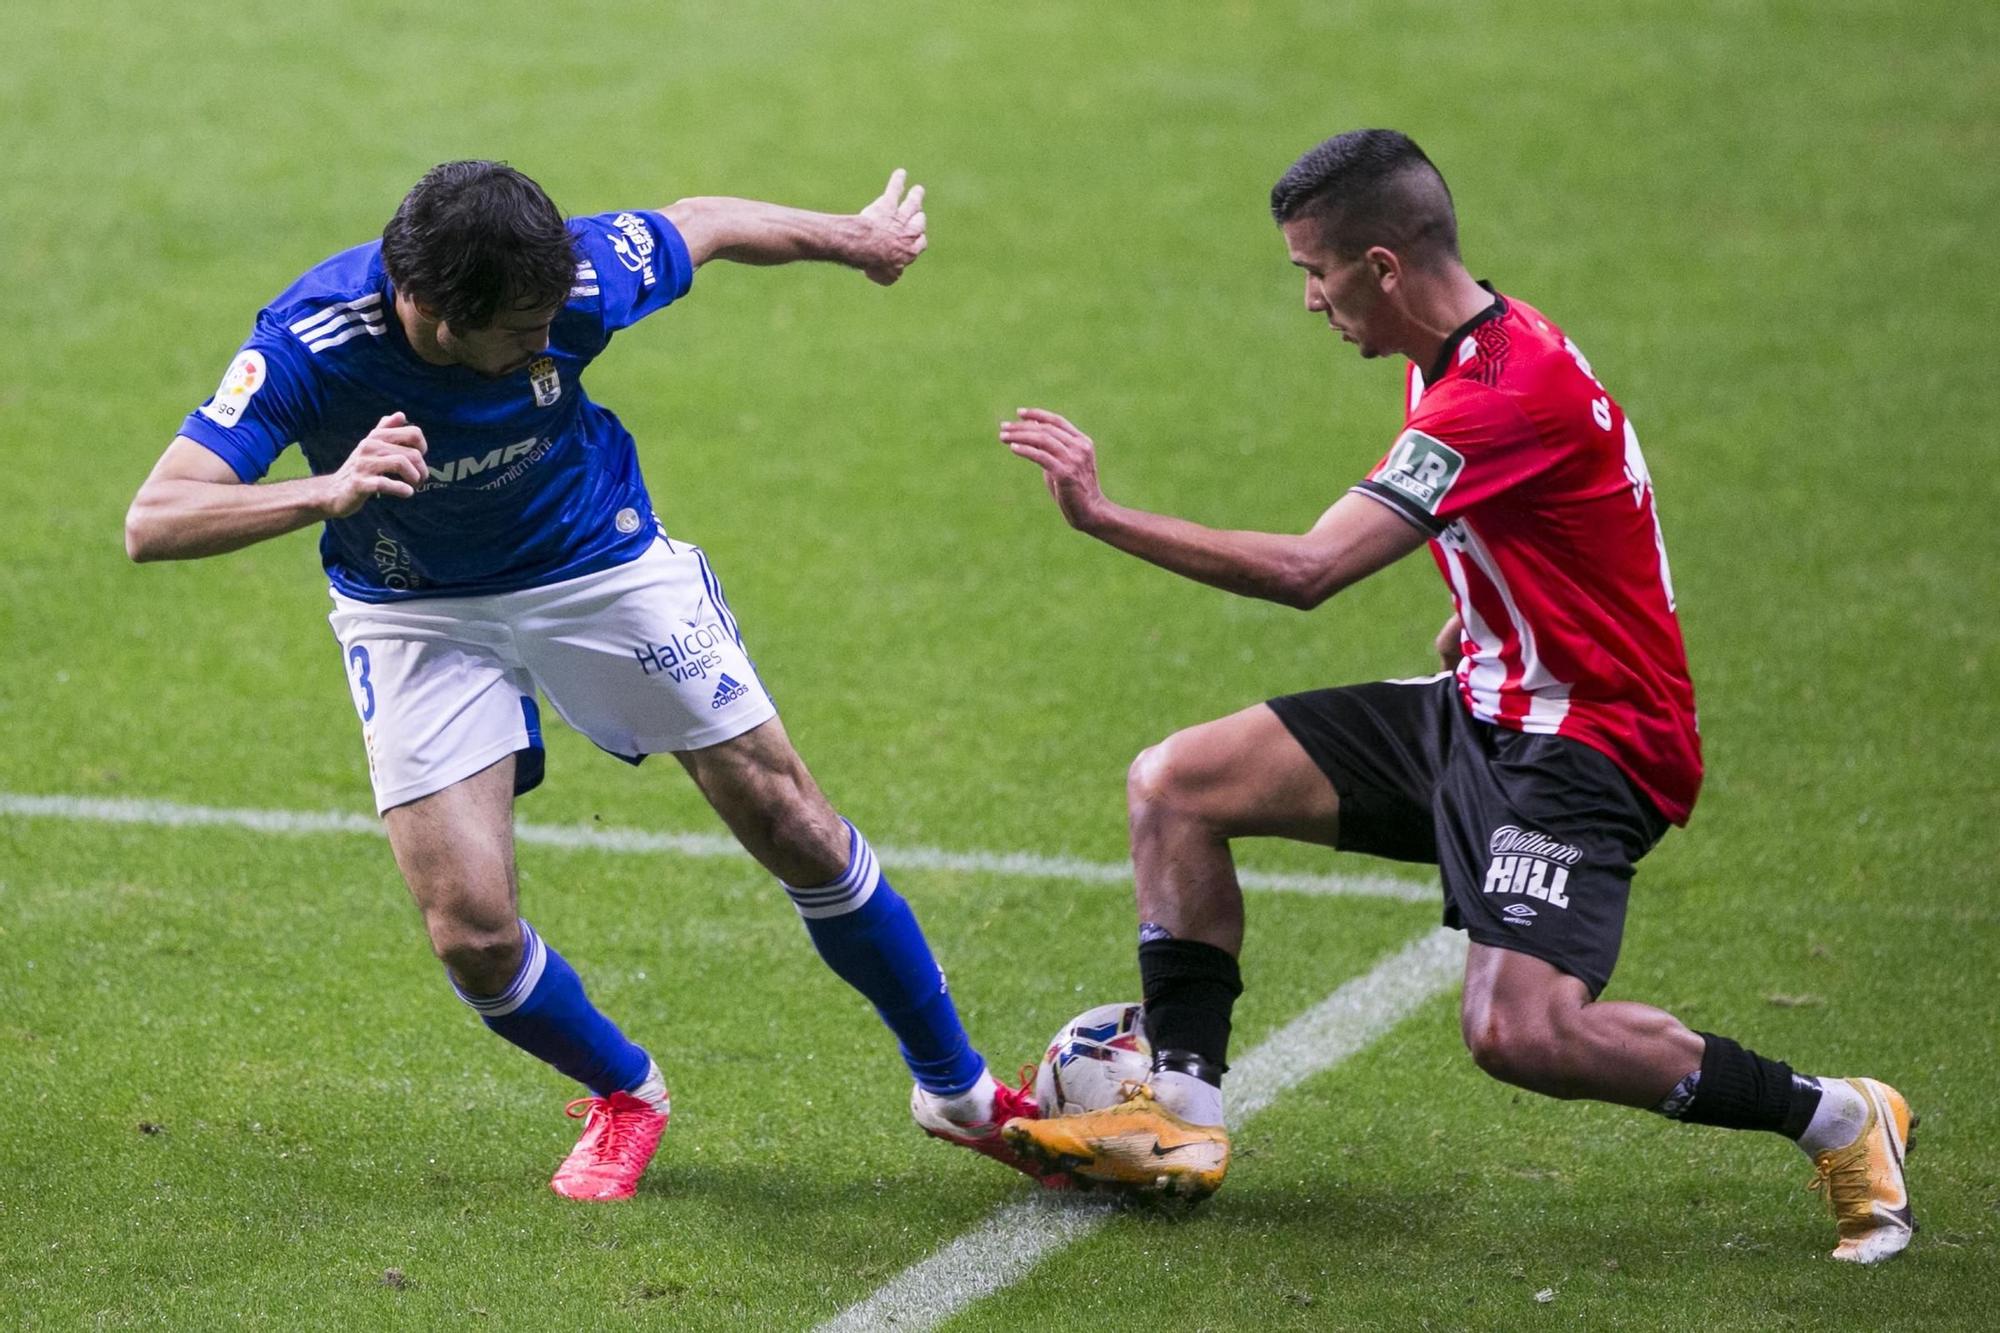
[(643, 658)]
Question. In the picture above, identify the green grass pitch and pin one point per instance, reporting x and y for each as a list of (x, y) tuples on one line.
[(234, 1088)]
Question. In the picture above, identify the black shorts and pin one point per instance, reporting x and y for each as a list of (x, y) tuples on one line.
[(1536, 836)]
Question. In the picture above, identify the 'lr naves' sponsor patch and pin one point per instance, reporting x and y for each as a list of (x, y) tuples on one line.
[(1421, 468)]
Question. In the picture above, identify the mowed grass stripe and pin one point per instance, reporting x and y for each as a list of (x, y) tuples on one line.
[(1020, 1235), (584, 837)]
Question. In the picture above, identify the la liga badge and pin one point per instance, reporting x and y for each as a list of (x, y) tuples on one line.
[(240, 383)]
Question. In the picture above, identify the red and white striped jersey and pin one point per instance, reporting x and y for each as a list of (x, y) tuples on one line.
[(1530, 482)]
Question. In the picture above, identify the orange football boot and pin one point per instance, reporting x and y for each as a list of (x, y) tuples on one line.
[(1136, 1145), (1864, 1181)]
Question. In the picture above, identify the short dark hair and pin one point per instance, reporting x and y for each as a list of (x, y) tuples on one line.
[(1369, 188), (472, 238)]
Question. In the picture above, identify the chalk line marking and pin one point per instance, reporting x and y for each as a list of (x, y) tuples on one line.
[(635, 842), (1017, 1236)]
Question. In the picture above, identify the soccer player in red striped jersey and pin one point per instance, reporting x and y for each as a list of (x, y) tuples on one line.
[(1552, 754)]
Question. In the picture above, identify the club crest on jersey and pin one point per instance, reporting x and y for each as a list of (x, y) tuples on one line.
[(245, 376), (547, 386), (1422, 468), (635, 247)]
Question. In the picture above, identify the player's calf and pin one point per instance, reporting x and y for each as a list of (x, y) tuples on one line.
[(1857, 1131), (1611, 1052), (869, 936), (1528, 1024), (543, 1010)]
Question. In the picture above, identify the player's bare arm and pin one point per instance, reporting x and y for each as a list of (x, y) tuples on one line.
[(881, 240), (193, 504), (1354, 538), (1451, 641)]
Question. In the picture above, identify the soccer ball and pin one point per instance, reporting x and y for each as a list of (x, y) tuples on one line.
[(1090, 1060)]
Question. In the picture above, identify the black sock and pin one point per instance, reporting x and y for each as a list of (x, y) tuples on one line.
[(1739, 1089), (1190, 988)]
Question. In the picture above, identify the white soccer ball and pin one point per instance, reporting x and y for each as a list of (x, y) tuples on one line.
[(1091, 1058)]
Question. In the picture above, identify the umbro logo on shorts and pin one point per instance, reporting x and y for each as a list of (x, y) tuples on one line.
[(727, 692)]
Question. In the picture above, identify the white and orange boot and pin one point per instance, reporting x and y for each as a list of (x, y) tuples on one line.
[(1863, 1181), (1137, 1145)]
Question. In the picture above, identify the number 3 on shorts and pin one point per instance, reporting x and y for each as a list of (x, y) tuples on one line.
[(357, 661)]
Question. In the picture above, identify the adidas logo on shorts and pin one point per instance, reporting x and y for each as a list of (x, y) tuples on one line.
[(727, 692)]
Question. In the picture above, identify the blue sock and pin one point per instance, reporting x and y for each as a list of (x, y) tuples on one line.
[(545, 1012), (870, 938)]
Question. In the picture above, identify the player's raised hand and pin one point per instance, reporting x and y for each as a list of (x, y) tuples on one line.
[(1067, 458), (389, 462), (892, 230)]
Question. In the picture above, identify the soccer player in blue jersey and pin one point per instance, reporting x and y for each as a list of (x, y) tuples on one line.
[(488, 538)]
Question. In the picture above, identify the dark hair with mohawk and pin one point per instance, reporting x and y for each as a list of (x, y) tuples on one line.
[(472, 238), (1369, 188)]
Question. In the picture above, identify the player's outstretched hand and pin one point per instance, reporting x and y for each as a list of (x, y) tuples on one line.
[(389, 461), (892, 231), (1067, 458)]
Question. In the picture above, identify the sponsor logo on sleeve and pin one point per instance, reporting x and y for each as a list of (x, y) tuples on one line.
[(634, 247), (1422, 468), (239, 385)]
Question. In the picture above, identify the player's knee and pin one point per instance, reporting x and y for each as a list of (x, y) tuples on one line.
[(1157, 786), (482, 953), (1143, 777), (776, 810), (1512, 1045)]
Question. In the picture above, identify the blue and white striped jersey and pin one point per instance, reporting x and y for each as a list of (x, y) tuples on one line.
[(530, 482)]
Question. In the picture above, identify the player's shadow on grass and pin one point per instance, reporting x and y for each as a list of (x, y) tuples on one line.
[(1327, 1209), (1591, 1232), (798, 1189)]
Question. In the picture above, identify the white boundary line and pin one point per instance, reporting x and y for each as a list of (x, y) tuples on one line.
[(585, 837), (1017, 1236)]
